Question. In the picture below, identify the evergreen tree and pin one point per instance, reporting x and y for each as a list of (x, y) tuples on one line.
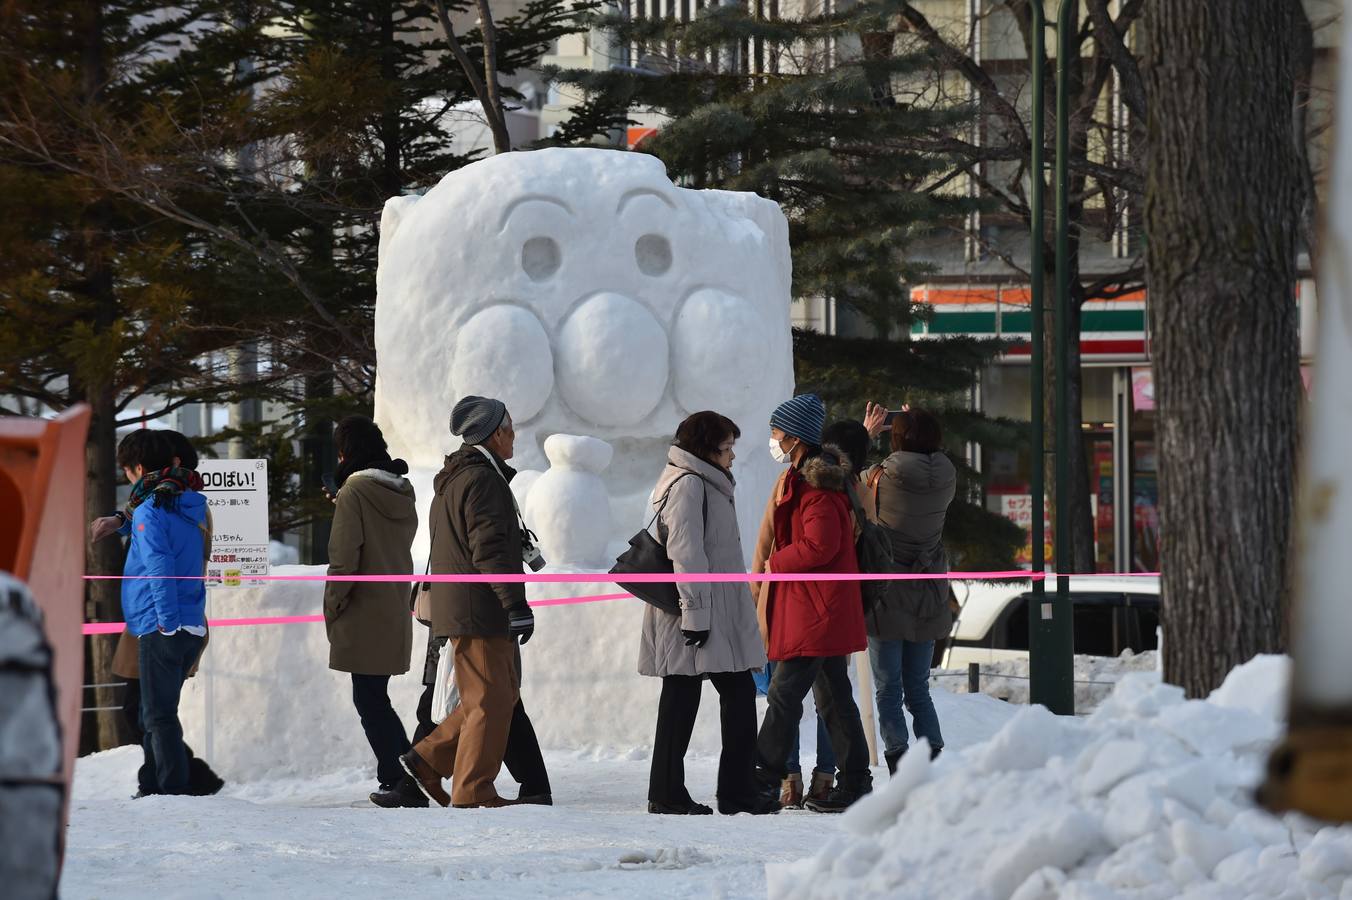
[(801, 110), (102, 300)]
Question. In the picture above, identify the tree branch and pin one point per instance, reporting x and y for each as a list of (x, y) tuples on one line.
[(493, 114)]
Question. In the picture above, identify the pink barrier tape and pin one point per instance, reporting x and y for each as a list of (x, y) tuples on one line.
[(631, 578), (117, 627)]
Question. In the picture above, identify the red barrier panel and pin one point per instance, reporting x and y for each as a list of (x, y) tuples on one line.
[(42, 528)]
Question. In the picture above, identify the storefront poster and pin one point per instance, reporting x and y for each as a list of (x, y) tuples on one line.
[(237, 495), (1142, 390), (1018, 508)]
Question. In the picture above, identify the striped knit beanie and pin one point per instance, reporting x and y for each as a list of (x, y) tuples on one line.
[(802, 417)]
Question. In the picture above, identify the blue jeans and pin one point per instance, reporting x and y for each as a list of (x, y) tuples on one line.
[(165, 661), (826, 757), (901, 676)]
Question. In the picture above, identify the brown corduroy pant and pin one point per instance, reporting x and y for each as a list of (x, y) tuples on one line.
[(469, 744)]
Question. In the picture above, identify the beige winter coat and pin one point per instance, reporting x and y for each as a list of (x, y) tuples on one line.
[(369, 626), (700, 542)]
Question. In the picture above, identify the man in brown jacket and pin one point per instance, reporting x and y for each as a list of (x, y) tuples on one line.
[(475, 530)]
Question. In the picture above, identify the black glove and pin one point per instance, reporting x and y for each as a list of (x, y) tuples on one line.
[(520, 622), (695, 638)]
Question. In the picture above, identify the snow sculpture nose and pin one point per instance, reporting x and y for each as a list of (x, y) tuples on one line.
[(612, 360)]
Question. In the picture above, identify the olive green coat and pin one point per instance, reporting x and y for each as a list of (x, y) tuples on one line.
[(369, 626)]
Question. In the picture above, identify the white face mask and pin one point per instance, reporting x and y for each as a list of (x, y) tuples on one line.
[(778, 452)]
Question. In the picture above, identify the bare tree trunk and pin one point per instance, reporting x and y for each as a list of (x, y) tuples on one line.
[(103, 597), (1223, 201)]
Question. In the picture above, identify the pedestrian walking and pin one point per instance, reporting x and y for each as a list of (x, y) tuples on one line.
[(909, 495), (370, 632), (476, 529), (811, 627), (715, 636)]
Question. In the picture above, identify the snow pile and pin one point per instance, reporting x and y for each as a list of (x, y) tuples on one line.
[(1149, 797), (1095, 677)]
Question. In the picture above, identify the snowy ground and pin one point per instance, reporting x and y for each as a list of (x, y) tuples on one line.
[(1149, 798), (304, 838)]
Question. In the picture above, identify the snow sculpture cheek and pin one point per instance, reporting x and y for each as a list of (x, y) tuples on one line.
[(503, 352), (612, 361), (567, 507), (717, 367)]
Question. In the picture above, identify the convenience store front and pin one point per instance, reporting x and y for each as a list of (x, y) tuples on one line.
[(1118, 404)]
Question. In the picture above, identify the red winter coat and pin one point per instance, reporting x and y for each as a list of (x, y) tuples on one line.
[(814, 532)]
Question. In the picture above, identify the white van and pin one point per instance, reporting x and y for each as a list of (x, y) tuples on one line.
[(1111, 615)]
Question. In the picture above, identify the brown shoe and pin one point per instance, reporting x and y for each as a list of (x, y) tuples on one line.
[(791, 792), (425, 777), (495, 803), (822, 783)]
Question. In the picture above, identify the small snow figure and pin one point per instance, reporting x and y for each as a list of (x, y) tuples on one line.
[(568, 507)]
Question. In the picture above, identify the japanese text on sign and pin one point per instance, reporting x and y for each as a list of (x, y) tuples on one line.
[(237, 495)]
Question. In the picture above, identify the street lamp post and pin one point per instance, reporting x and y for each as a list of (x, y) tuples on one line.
[(1050, 632)]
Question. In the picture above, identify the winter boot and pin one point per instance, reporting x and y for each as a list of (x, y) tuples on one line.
[(893, 757), (843, 795), (822, 782), (405, 794), (425, 777), (679, 809), (791, 791), (543, 798), (755, 804), (495, 803)]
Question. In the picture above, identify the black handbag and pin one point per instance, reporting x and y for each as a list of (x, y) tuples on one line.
[(646, 555)]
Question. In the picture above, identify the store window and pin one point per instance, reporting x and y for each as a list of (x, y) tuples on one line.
[(1113, 398)]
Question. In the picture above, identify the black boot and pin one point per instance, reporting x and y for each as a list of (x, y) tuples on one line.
[(843, 795), (893, 757), (539, 798), (684, 809), (755, 804), (405, 794)]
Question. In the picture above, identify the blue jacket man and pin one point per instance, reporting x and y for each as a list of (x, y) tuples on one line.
[(166, 542), (164, 597)]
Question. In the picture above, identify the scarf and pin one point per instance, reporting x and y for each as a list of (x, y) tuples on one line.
[(383, 462), (164, 485)]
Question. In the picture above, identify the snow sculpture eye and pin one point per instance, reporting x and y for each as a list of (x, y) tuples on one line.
[(652, 252), (540, 258), (503, 351), (612, 356), (716, 366)]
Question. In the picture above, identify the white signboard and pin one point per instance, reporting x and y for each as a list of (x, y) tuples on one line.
[(237, 495)]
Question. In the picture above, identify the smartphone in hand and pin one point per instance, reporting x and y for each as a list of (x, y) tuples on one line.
[(330, 485)]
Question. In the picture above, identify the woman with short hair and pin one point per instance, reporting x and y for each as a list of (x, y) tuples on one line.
[(715, 636), (909, 495)]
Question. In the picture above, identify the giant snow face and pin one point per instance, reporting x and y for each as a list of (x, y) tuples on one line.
[(593, 297)]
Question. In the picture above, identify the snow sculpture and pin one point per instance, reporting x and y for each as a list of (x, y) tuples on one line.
[(593, 297), (567, 507)]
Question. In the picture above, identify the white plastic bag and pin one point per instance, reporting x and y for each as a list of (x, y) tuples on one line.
[(446, 694)]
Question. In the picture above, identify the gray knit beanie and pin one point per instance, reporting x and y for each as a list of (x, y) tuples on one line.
[(474, 419)]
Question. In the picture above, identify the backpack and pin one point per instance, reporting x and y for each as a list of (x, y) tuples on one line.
[(873, 548)]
